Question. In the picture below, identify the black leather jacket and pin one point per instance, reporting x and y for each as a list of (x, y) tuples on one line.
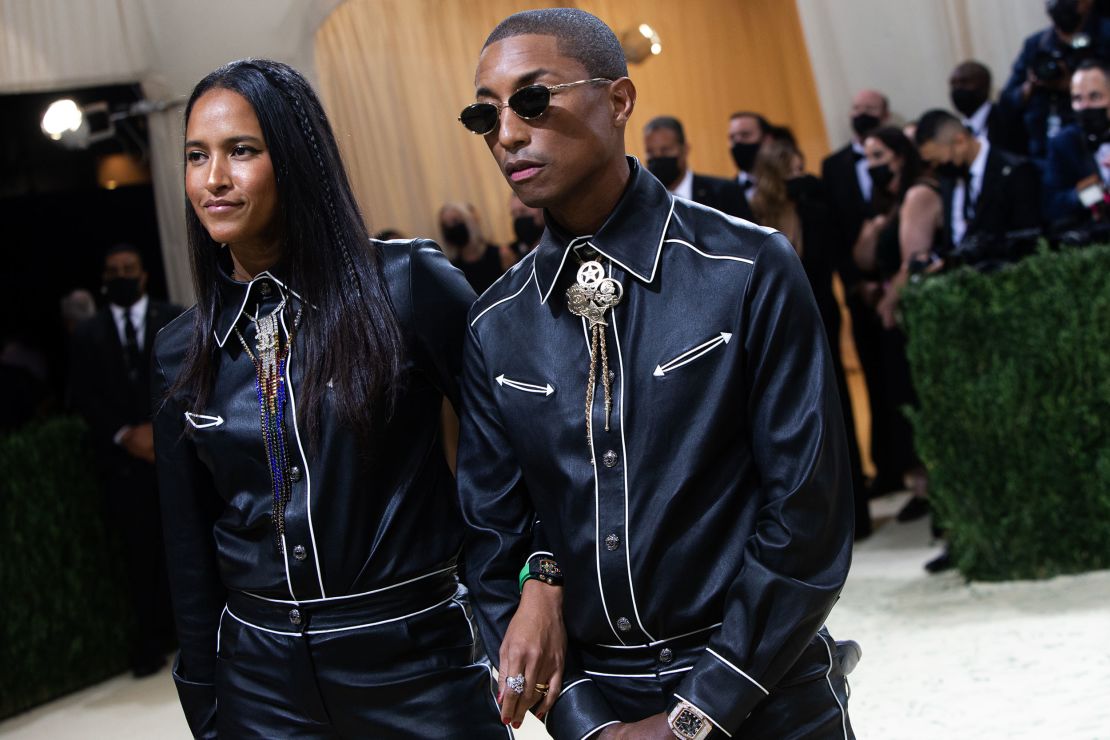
[(355, 522), (720, 500)]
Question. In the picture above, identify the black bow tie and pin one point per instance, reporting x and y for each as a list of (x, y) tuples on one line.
[(747, 185), (857, 156)]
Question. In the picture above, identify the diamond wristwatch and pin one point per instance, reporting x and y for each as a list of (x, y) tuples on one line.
[(687, 722)]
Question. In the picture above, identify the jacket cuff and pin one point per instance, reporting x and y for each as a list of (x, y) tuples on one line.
[(579, 712), (198, 700), (721, 691)]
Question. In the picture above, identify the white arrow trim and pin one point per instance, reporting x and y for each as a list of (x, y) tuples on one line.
[(207, 421), (690, 355), (546, 390)]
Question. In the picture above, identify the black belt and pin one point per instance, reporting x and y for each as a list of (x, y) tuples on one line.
[(345, 612)]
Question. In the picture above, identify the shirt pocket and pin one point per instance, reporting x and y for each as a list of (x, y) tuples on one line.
[(697, 354)]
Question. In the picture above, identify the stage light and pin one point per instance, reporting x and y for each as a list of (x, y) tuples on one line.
[(62, 116), (640, 43), (79, 126)]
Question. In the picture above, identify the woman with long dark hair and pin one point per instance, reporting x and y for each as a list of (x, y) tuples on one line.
[(908, 226), (311, 520)]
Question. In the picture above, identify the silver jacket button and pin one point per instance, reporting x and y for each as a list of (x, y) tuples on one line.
[(623, 624), (609, 458), (612, 542), (666, 655), (295, 616), (295, 474), (299, 552)]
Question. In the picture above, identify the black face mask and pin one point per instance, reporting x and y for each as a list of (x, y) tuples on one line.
[(953, 171), (664, 168), (744, 155), (527, 230), (864, 123), (457, 235), (881, 177), (801, 188), (1065, 15), (1095, 124), (967, 101), (122, 291)]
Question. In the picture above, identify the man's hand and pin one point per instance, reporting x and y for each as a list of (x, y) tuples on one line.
[(139, 441), (535, 646), (655, 727)]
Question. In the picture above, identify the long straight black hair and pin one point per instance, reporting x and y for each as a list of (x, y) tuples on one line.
[(348, 329)]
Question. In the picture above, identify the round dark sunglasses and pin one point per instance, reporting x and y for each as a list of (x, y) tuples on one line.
[(527, 102)]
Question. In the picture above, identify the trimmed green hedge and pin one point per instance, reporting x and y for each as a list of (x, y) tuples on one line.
[(65, 617), (1013, 374)]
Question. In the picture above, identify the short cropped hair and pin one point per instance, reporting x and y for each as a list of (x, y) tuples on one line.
[(933, 123), (666, 123), (579, 35), (121, 248), (764, 124), (1095, 63)]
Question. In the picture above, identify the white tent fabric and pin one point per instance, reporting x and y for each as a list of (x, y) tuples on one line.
[(907, 49), (903, 47), (167, 46)]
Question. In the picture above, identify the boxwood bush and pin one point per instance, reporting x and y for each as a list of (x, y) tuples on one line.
[(65, 616), (1012, 370)]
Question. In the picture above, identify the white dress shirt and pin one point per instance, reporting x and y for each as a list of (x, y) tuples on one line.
[(138, 318), (863, 173), (960, 193), (685, 186), (977, 121), (744, 178)]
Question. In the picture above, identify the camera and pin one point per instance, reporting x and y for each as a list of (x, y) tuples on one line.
[(1050, 65)]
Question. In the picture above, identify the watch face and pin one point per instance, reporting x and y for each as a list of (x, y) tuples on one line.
[(688, 723)]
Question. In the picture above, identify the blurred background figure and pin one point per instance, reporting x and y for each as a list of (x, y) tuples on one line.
[(528, 226), (746, 132), (1078, 166), (77, 307), (110, 388), (1038, 89), (969, 88), (908, 222), (667, 158), (464, 244)]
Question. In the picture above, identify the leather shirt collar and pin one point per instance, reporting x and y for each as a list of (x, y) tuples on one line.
[(631, 237), (237, 296)]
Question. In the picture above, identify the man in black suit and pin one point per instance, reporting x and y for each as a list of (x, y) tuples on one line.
[(110, 388), (667, 151), (848, 187), (988, 193), (969, 86)]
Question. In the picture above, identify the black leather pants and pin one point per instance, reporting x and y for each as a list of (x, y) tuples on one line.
[(348, 670)]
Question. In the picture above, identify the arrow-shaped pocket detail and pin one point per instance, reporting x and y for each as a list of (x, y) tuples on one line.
[(203, 421), (692, 354), (543, 390)]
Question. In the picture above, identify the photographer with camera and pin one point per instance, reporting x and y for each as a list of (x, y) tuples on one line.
[(988, 194), (1039, 85), (1079, 158)]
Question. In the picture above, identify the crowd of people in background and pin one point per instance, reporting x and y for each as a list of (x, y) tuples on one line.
[(978, 184)]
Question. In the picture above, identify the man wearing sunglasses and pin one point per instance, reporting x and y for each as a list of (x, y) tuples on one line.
[(649, 405)]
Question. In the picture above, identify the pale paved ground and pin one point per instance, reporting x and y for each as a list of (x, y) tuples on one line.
[(941, 659)]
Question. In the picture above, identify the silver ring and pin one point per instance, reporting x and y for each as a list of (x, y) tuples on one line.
[(515, 683)]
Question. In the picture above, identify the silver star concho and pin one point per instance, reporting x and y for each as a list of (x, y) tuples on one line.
[(593, 294)]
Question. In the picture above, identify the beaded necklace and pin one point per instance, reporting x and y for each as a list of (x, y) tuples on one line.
[(269, 367)]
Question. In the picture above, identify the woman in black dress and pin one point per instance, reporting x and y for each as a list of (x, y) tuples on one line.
[(311, 520)]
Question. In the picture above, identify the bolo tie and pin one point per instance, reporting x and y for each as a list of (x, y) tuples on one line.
[(269, 365), (590, 297)]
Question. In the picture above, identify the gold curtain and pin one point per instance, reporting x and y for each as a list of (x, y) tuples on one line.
[(395, 73)]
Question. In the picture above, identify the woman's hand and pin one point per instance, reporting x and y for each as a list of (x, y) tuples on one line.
[(535, 646), (888, 308)]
